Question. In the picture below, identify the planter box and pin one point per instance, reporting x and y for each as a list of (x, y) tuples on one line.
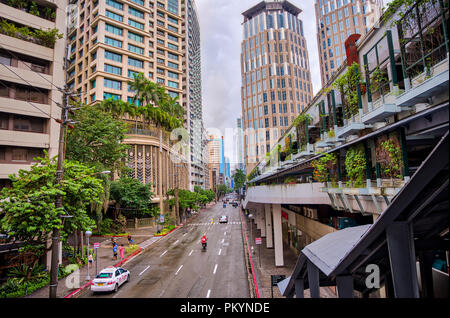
[(424, 88)]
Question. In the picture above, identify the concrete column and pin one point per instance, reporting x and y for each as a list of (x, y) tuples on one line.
[(299, 288), (403, 260), (258, 218), (262, 214), (278, 235), (313, 280), (269, 232), (345, 286)]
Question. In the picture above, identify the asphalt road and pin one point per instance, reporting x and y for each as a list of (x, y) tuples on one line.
[(177, 267)]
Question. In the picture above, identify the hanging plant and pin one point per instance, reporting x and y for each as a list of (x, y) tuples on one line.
[(348, 84), (393, 168), (378, 80), (355, 165), (322, 167)]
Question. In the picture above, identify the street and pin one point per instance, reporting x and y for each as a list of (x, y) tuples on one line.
[(177, 267)]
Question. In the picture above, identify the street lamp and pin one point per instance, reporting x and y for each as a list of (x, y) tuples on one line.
[(88, 234)]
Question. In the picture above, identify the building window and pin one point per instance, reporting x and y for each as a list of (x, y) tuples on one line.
[(113, 84)]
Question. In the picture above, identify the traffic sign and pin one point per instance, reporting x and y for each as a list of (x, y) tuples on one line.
[(258, 241), (96, 245)]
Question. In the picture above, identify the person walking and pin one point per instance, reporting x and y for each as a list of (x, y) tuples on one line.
[(130, 240), (115, 251), (121, 251)]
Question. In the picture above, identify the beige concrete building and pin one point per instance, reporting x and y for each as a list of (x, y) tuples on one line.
[(336, 21), (276, 79), (110, 42), (214, 161), (31, 72)]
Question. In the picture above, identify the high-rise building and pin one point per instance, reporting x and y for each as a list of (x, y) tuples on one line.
[(336, 21), (31, 74), (215, 148), (115, 39), (192, 100), (276, 79), (239, 142)]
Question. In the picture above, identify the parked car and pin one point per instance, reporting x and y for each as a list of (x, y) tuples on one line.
[(110, 279), (223, 219)]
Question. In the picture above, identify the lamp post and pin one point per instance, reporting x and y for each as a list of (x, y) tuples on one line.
[(88, 234)]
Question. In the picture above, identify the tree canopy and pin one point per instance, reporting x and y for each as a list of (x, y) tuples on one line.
[(134, 197), (27, 209)]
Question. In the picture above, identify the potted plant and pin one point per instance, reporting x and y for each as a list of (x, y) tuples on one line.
[(34, 9)]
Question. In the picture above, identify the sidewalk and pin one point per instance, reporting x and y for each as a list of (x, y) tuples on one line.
[(267, 267), (141, 236)]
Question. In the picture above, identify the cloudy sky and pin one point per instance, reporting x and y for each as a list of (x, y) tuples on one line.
[(221, 36)]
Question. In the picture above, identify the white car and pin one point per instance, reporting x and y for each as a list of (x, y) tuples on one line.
[(223, 219), (110, 279)]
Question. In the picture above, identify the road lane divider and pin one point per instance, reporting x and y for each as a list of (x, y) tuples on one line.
[(163, 253), (179, 269), (215, 269), (144, 270)]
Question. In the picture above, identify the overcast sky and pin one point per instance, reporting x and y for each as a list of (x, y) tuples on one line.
[(221, 37)]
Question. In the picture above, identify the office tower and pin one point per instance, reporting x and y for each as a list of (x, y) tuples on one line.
[(239, 142), (216, 158), (336, 21), (276, 80), (112, 41), (31, 72), (192, 100)]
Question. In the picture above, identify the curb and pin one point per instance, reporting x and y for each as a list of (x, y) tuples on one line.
[(75, 292), (250, 256)]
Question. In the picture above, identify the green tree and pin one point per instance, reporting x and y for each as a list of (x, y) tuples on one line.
[(134, 197), (97, 139), (27, 209), (239, 178)]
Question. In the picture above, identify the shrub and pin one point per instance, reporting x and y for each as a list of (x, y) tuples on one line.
[(131, 249)]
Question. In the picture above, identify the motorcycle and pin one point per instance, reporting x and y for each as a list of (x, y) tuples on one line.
[(204, 246)]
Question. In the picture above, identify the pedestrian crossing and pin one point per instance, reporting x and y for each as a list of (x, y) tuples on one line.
[(209, 223), (148, 242)]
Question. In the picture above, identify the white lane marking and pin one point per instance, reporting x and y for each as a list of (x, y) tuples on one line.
[(191, 253), (184, 234), (176, 242), (222, 240), (163, 253), (178, 269), (220, 251), (144, 270), (215, 269), (224, 233), (209, 292)]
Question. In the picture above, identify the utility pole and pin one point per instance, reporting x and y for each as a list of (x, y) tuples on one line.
[(58, 203), (59, 177)]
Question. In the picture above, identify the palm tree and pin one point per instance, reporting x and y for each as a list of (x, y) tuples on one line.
[(139, 84)]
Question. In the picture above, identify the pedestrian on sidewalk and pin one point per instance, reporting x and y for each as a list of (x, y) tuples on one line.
[(130, 240), (121, 251), (115, 251), (90, 259)]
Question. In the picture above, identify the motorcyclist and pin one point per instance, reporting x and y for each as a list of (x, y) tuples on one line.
[(204, 239)]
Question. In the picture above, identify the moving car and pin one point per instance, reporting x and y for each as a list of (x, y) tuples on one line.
[(110, 279), (223, 219)]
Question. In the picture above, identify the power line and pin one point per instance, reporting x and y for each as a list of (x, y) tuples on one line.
[(16, 57), (4, 85), (34, 87)]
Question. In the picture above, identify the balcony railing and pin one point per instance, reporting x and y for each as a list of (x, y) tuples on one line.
[(423, 39)]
